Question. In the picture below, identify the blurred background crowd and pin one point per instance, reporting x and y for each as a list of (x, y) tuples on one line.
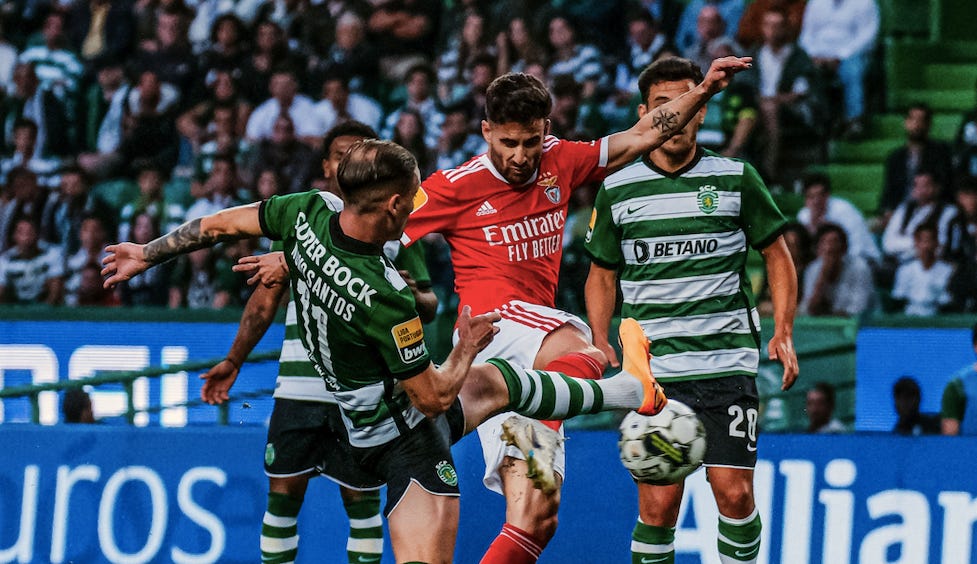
[(121, 119)]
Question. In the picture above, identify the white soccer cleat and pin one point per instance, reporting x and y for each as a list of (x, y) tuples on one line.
[(538, 444)]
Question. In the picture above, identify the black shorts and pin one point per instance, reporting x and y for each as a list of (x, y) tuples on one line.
[(729, 409), (302, 438), (421, 454)]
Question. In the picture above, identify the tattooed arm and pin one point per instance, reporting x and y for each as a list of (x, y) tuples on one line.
[(125, 260), (660, 123)]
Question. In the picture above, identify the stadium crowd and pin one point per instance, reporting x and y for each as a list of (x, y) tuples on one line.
[(122, 119)]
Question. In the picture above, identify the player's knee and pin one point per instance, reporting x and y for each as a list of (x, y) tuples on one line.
[(735, 501)]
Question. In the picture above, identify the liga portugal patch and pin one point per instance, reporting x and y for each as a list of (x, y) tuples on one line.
[(409, 337)]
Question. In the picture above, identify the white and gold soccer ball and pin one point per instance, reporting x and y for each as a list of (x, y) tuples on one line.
[(664, 448)]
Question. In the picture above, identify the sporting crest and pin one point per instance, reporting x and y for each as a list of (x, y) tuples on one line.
[(708, 198)]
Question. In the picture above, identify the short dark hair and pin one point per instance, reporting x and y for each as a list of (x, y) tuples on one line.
[(967, 184), (926, 226), (424, 68), (346, 128), (816, 178), (667, 69), (374, 169), (74, 404), (828, 390), (907, 385), (826, 228), (517, 97)]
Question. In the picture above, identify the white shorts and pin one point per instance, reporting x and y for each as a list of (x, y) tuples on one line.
[(521, 332)]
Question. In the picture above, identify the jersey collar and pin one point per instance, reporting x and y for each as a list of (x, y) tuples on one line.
[(692, 164), (347, 243), (491, 168)]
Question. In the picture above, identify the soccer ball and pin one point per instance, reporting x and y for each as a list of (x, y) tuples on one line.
[(664, 448)]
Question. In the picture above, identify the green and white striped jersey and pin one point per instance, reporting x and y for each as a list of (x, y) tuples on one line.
[(297, 378), (355, 316), (679, 242)]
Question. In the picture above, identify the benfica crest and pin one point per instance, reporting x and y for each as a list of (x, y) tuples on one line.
[(551, 189)]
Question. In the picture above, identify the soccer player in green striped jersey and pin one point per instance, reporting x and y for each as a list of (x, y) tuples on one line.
[(675, 227), (399, 413), (299, 429)]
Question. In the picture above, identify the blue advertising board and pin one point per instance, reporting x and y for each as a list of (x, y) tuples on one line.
[(884, 354), (119, 494), (48, 351)]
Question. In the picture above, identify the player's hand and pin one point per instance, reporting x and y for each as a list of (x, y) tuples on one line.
[(122, 262), (611, 354), (218, 381), (722, 70), (477, 331), (411, 283), (781, 348), (270, 269)]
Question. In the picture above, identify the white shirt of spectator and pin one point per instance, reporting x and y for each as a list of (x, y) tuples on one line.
[(110, 130), (898, 242), (25, 279), (359, 108), (302, 111), (924, 290), (842, 212), (839, 29), (852, 294), (771, 64)]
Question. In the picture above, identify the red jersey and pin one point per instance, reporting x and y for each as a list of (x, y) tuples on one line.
[(506, 241)]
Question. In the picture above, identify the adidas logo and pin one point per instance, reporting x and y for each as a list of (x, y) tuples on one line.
[(485, 209)]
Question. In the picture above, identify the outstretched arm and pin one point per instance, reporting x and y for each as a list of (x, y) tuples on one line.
[(257, 317), (660, 123), (783, 292), (125, 260)]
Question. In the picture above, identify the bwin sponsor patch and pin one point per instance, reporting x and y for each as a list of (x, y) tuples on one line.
[(409, 337)]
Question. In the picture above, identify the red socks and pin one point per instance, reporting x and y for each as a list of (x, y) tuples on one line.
[(577, 365), (513, 546)]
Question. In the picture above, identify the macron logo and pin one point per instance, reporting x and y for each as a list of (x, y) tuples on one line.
[(485, 209)]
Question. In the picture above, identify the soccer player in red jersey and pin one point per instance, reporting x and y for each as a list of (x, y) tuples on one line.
[(502, 214)]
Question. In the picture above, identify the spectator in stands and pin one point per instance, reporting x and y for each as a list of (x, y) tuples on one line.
[(101, 28), (286, 14), (925, 205), (151, 288), (922, 285), (58, 69), (222, 190), (798, 241), (419, 82), (286, 100), (104, 106), (21, 197), (964, 254), (666, 13), (76, 406), (966, 145), (568, 56), (209, 12), (287, 156), (195, 282), (687, 33), (201, 125), (268, 183), (25, 154), (169, 55), (406, 34), (820, 408), (836, 282), (8, 59), (350, 56), (840, 35), (453, 64), (572, 117), (791, 98), (732, 114), (42, 107), (93, 237), (958, 411), (920, 153), (339, 104), (226, 48), (821, 207), (710, 30), (517, 47), (458, 143), (750, 34), (645, 39), (906, 396), (269, 53), (152, 201), (221, 138), (481, 73), (410, 132), (31, 272), (65, 209)]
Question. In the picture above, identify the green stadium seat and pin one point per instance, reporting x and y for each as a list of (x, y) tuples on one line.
[(177, 190), (902, 18), (950, 76), (941, 100), (116, 193), (890, 126), (867, 152)]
